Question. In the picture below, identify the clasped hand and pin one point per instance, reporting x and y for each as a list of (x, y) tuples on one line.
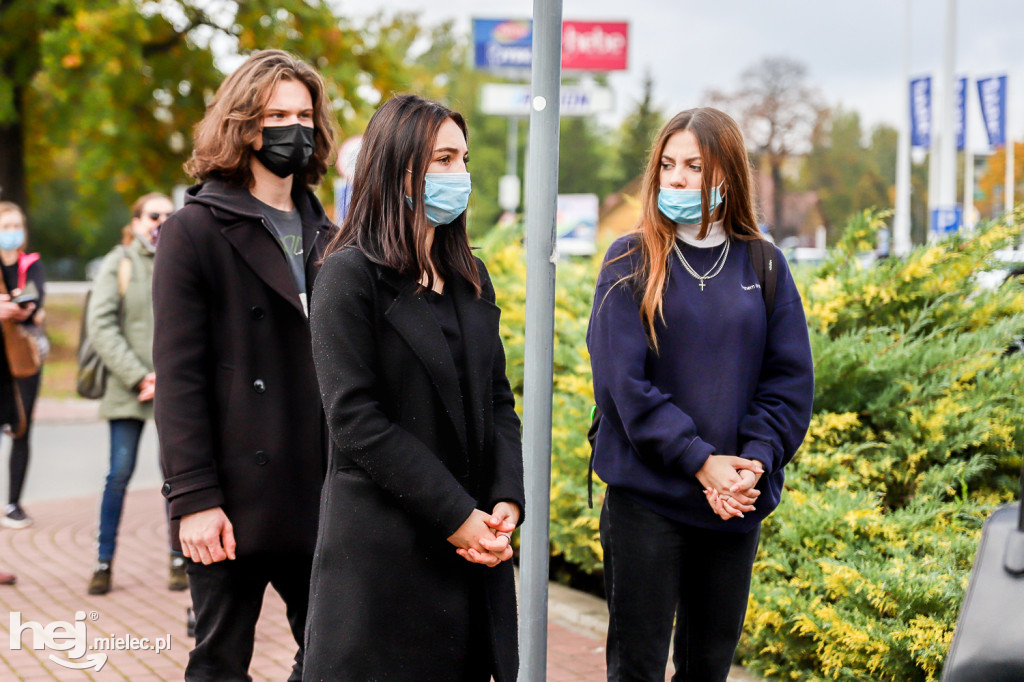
[(730, 484), (487, 538)]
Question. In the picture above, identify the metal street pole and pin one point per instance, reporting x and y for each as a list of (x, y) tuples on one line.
[(512, 147), (541, 200), (933, 175), (1008, 192), (901, 217), (947, 141), (968, 222)]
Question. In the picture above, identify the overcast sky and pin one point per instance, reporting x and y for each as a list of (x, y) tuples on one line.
[(854, 51)]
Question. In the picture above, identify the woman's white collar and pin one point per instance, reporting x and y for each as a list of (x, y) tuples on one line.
[(688, 233)]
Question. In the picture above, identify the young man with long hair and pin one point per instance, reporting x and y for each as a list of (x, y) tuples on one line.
[(237, 406)]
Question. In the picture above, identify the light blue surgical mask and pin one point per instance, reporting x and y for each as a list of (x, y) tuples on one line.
[(11, 240), (683, 205), (446, 196)]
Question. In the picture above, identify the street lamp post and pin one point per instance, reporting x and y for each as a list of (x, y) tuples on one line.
[(541, 201)]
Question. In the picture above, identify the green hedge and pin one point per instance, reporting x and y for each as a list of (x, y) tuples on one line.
[(916, 437)]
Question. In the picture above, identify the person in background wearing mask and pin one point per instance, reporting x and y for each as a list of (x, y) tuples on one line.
[(413, 578), (23, 275), (120, 323), (705, 398), (242, 430)]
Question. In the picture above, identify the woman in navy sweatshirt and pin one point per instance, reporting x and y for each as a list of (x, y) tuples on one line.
[(706, 395)]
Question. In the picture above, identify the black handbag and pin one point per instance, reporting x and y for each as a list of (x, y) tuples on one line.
[(988, 643)]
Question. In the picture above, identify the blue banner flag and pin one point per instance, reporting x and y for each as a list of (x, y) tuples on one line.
[(960, 112), (921, 112), (992, 95)]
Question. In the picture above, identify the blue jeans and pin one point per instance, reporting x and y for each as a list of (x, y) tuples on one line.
[(125, 435)]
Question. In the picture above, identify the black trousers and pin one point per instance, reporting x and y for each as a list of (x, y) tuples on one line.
[(656, 568), (18, 466), (227, 597)]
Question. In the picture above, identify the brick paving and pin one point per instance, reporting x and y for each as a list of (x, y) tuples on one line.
[(54, 559)]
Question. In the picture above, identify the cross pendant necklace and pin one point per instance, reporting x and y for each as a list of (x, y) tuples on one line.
[(716, 267)]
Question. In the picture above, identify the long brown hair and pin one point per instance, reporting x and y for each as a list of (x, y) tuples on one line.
[(723, 156), (233, 120), (401, 136)]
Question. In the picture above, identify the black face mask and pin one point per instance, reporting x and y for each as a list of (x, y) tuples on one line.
[(286, 149)]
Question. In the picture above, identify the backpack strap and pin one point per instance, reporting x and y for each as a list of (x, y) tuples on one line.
[(762, 257), (25, 261), (595, 422), (124, 272)]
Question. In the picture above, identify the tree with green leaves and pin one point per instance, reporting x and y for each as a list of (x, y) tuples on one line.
[(778, 113), (636, 134), (583, 157), (845, 173), (97, 100)]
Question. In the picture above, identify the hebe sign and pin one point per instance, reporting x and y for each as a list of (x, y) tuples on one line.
[(586, 45), (595, 45)]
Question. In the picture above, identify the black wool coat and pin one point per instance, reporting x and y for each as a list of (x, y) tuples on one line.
[(411, 457), (237, 405)]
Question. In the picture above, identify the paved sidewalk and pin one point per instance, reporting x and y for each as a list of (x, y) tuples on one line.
[(54, 560)]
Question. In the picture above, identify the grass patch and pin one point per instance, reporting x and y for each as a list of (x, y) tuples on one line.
[(63, 321)]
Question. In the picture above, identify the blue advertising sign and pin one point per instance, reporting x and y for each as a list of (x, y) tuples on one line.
[(947, 220), (921, 112), (992, 95), (960, 112), (502, 43)]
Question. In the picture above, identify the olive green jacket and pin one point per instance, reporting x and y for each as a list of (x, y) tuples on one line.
[(124, 338)]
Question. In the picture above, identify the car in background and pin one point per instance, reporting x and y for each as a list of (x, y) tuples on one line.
[(1007, 264)]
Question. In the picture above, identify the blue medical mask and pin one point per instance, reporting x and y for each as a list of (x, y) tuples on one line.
[(683, 205), (11, 240), (445, 195)]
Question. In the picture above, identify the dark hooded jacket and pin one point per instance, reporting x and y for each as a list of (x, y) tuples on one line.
[(237, 405)]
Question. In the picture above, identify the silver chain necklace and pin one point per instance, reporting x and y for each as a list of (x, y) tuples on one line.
[(715, 268)]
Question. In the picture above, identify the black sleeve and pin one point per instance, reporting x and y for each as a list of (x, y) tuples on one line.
[(37, 275), (181, 340), (507, 485)]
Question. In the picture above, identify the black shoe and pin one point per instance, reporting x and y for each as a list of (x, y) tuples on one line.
[(190, 622), (100, 582), (15, 517)]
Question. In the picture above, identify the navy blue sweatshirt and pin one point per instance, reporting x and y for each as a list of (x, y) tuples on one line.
[(726, 381)]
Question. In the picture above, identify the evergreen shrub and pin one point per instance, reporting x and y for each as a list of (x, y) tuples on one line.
[(916, 437)]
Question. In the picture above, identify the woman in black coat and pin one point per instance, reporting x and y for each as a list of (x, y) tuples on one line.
[(411, 578)]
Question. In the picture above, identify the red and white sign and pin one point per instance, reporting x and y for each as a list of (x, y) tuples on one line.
[(595, 45)]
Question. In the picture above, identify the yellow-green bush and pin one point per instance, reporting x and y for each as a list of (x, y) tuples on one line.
[(916, 437), (574, 532)]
